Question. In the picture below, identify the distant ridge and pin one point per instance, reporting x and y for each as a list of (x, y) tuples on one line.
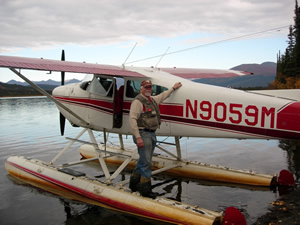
[(47, 82), (263, 75), (266, 68), (17, 88)]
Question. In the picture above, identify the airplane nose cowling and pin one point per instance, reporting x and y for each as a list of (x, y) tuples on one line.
[(60, 91)]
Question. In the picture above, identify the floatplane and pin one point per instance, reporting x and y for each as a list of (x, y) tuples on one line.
[(101, 103)]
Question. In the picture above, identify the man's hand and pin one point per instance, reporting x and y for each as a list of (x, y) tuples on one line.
[(177, 85), (140, 142)]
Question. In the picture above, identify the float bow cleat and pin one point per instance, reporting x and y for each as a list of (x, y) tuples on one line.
[(286, 178), (233, 216)]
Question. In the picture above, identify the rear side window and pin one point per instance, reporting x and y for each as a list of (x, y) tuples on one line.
[(134, 86)]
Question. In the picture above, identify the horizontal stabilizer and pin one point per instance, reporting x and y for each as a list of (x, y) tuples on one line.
[(292, 94)]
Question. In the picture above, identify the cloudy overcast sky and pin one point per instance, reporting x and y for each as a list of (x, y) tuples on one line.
[(105, 31)]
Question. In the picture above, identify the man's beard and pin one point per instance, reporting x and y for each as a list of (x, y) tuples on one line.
[(148, 93)]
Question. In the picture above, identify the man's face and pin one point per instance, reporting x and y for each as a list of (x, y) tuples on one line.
[(146, 90)]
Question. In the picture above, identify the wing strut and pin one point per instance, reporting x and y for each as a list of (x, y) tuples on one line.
[(101, 154), (178, 149), (47, 95)]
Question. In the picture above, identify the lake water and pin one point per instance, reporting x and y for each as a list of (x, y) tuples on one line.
[(30, 127)]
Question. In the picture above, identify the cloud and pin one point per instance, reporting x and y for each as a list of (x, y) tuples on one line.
[(35, 24)]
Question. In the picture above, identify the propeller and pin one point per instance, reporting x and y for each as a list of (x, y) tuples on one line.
[(62, 119), (62, 72)]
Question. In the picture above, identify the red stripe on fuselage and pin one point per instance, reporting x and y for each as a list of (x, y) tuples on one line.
[(286, 119), (231, 128), (171, 110), (106, 106)]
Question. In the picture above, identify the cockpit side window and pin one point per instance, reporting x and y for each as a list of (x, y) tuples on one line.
[(133, 88)]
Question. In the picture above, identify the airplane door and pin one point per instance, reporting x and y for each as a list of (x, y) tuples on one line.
[(100, 104), (118, 103)]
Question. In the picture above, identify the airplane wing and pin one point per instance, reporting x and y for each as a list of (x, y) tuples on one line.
[(204, 73), (64, 66), (88, 68)]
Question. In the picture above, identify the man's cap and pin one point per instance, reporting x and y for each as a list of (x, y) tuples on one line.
[(146, 82)]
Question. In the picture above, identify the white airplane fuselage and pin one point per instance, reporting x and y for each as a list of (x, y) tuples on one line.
[(194, 110)]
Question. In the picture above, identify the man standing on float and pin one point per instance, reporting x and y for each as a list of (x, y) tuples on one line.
[(144, 119)]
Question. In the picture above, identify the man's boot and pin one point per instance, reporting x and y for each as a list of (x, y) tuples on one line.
[(134, 181), (145, 188)]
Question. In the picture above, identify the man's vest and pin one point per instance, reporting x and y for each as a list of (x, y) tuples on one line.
[(150, 118)]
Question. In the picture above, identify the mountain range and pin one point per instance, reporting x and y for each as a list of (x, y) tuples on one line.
[(263, 75), (43, 82), (16, 88)]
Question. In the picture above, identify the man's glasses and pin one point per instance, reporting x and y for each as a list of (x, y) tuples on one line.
[(148, 87)]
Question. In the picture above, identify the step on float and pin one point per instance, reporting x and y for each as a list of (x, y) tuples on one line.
[(39, 173)]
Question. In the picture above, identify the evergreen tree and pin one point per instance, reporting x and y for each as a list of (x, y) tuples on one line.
[(290, 54), (288, 64), (297, 39)]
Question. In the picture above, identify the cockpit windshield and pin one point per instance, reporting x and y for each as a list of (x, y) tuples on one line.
[(98, 84)]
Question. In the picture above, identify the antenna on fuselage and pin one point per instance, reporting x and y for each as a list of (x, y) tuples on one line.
[(123, 65), (162, 57)]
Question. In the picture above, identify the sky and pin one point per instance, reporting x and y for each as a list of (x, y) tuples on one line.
[(213, 34)]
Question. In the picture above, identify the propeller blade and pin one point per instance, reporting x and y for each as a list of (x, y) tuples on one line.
[(62, 119), (62, 72)]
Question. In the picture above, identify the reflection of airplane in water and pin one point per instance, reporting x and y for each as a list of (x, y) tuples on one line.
[(102, 102), (78, 210)]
